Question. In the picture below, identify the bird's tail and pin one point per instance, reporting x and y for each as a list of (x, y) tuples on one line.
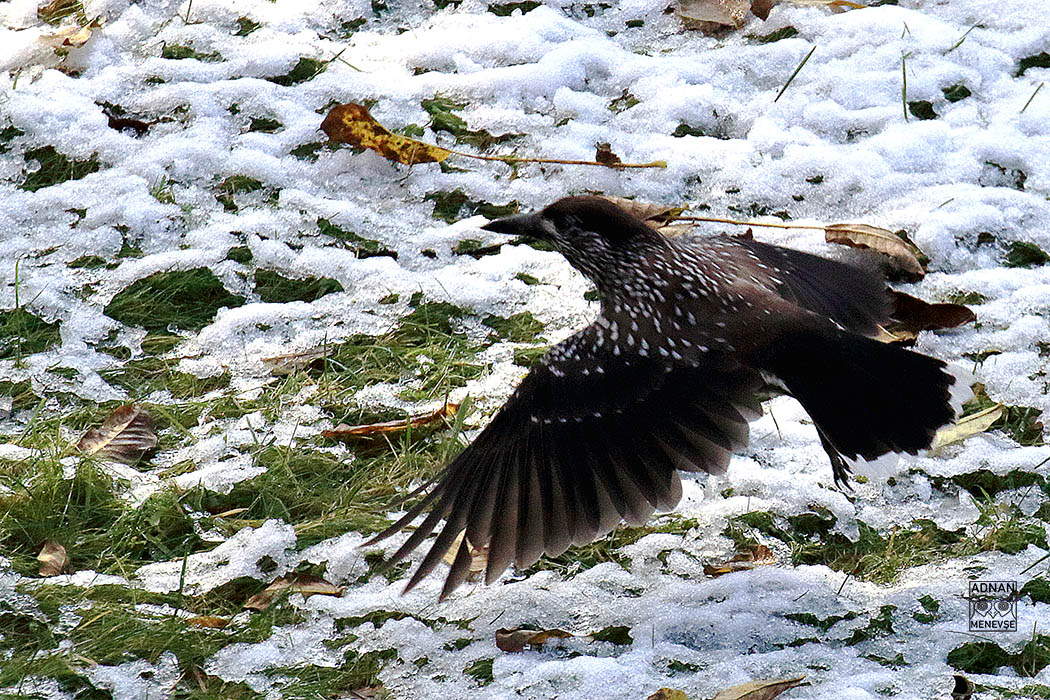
[(866, 398)]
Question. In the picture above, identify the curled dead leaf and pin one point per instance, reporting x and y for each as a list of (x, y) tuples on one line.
[(125, 436), (479, 558), (903, 256), (759, 690), (741, 561), (968, 426), (514, 640), (352, 123), (305, 584), (668, 694), (729, 13), (915, 314), (283, 365), (654, 216), (52, 559), (964, 688), (350, 432), (603, 154)]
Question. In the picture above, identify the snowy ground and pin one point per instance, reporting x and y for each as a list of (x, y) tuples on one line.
[(835, 147)]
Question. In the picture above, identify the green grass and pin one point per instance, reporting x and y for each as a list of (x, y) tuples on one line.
[(23, 333), (183, 299), (53, 168), (273, 287)]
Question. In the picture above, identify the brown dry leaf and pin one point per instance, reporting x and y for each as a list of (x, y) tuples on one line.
[(729, 13), (761, 8), (479, 558), (913, 314), (668, 694), (305, 584), (759, 690), (514, 640), (741, 561), (968, 426), (71, 37), (125, 436), (350, 432), (655, 216), (283, 365), (57, 10), (351, 123), (603, 154), (52, 559), (964, 688), (209, 621), (900, 252)]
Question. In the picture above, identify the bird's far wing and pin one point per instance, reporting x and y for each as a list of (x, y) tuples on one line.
[(853, 297), (588, 439)]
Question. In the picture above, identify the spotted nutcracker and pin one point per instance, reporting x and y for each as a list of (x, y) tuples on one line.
[(691, 332)]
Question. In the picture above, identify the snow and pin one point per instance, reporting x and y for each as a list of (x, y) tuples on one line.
[(550, 74)]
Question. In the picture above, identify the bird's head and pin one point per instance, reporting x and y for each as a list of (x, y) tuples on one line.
[(595, 235)]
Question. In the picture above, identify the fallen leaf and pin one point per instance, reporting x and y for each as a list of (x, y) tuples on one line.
[(125, 436), (352, 123), (653, 215), (209, 621), (730, 13), (57, 10), (964, 688), (913, 313), (967, 426), (514, 640), (901, 254), (349, 432), (305, 584), (282, 365), (603, 154), (761, 8), (741, 561), (479, 558), (52, 559), (668, 694), (759, 690)]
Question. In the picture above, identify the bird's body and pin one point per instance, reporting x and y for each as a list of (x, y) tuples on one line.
[(665, 380)]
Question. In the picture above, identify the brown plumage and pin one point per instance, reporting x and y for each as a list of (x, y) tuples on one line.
[(665, 380)]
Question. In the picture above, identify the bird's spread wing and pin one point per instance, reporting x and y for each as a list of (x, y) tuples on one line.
[(589, 438), (853, 297)]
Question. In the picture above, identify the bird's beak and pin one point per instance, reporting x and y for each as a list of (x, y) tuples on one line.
[(527, 225)]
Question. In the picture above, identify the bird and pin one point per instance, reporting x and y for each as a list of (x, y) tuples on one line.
[(690, 334)]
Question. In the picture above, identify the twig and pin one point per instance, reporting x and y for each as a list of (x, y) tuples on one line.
[(736, 222), (795, 73), (560, 161), (1037, 89), (961, 39), (904, 84)]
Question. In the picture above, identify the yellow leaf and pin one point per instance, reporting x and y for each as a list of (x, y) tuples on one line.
[(967, 427), (352, 123)]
